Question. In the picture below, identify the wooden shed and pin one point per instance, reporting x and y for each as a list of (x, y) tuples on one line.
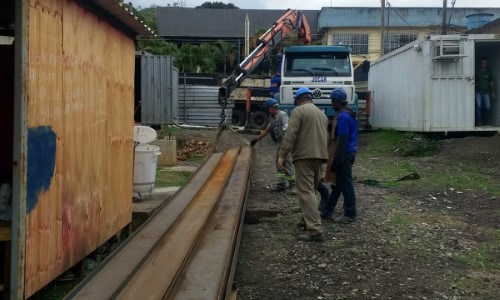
[(66, 126)]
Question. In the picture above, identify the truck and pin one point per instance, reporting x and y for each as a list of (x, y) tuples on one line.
[(321, 68)]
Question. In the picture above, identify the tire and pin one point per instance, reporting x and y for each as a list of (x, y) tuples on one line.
[(258, 120), (239, 118)]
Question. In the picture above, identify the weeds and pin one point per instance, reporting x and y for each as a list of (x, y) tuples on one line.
[(404, 144), (399, 221), (165, 178), (381, 163), (459, 176), (486, 255), (393, 201)]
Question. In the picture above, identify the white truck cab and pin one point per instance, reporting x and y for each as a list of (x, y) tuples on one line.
[(321, 69)]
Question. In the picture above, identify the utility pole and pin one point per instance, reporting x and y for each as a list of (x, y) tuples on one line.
[(443, 26), (247, 36), (382, 26)]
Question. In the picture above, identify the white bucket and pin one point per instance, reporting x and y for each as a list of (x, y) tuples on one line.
[(146, 159)]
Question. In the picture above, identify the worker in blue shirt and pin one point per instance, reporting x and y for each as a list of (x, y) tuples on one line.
[(346, 135)]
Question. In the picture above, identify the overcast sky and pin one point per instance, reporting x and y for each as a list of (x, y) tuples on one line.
[(318, 4)]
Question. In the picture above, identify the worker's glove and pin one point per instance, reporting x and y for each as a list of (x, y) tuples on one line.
[(253, 142), (335, 167), (281, 163)]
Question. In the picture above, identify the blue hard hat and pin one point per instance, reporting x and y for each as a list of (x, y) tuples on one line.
[(271, 102), (302, 91), (276, 79), (338, 95)]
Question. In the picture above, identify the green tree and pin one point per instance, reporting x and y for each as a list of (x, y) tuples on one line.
[(226, 53), (207, 58), (148, 16), (217, 5), (157, 46)]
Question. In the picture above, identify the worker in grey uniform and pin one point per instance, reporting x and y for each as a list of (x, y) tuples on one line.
[(278, 123), (306, 139)]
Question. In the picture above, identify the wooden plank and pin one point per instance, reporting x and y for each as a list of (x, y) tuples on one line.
[(43, 226), (82, 72), (5, 233), (19, 182), (234, 295)]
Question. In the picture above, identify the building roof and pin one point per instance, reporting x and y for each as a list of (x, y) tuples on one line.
[(334, 17), (301, 49), (109, 10), (491, 27), (120, 13), (219, 23)]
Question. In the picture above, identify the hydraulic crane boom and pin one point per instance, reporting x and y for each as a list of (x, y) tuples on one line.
[(291, 20)]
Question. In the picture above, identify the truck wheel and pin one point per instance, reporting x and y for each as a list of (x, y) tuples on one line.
[(239, 117), (258, 120)]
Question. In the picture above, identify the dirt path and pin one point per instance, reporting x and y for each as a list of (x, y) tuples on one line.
[(437, 237)]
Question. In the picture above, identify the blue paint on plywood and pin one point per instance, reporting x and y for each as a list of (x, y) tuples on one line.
[(41, 163)]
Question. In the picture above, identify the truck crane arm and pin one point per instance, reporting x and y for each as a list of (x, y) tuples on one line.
[(291, 20)]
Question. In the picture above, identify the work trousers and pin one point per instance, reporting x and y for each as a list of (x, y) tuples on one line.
[(345, 187), (308, 174), (483, 105), (286, 175)]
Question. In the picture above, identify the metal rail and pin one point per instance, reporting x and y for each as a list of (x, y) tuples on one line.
[(186, 250)]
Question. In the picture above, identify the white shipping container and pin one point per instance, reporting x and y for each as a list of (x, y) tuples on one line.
[(428, 85)]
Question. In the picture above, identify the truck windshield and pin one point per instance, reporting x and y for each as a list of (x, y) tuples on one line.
[(317, 64)]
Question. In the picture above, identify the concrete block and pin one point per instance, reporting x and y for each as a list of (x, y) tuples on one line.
[(168, 149)]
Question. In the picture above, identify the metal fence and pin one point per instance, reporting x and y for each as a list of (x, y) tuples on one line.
[(159, 90), (198, 105)]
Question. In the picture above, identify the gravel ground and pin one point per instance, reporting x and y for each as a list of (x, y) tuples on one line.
[(415, 240)]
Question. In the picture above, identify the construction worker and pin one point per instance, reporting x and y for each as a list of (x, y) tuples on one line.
[(306, 140), (485, 91), (346, 136), (274, 89), (278, 123)]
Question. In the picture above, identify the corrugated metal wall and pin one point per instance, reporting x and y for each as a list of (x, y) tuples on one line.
[(159, 90), (413, 92), (198, 105), (79, 137), (397, 93), (451, 83)]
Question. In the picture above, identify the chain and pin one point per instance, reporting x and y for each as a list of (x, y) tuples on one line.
[(223, 105)]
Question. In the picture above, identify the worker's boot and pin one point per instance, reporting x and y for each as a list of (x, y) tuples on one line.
[(291, 188), (280, 187)]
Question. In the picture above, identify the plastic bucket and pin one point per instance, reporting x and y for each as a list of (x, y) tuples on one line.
[(146, 159)]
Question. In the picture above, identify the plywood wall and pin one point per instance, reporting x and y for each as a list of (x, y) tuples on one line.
[(80, 148)]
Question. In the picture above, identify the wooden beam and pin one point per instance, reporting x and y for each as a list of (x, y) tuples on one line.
[(234, 295), (358, 64), (5, 233)]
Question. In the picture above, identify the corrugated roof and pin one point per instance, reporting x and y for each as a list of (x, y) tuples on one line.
[(124, 15), (219, 23), (331, 17), (110, 8), (491, 27)]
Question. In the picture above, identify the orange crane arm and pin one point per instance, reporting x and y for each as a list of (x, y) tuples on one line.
[(291, 20)]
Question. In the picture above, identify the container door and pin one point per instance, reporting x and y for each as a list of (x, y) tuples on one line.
[(452, 86)]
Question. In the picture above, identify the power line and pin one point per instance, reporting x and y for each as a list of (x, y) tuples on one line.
[(397, 13), (452, 7)]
